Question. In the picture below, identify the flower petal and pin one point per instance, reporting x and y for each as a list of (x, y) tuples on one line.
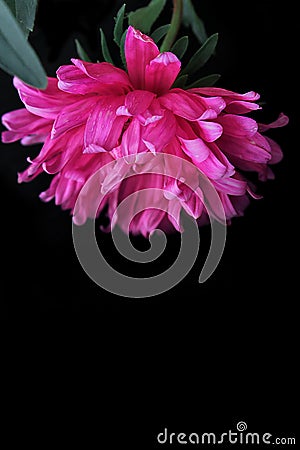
[(139, 51), (159, 134), (276, 152), (255, 149), (22, 124), (70, 117), (104, 127), (44, 103), (238, 126), (214, 91), (241, 107), (161, 73), (196, 149), (98, 78), (138, 101), (231, 186), (131, 141), (282, 121), (210, 131), (183, 104)]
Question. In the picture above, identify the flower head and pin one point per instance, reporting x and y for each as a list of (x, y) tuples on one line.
[(95, 113)]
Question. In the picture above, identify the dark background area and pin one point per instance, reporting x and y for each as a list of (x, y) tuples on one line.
[(199, 357)]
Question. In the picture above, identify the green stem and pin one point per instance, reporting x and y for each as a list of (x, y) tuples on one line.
[(174, 28)]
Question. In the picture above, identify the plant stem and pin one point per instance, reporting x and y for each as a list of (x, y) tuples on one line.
[(174, 28)]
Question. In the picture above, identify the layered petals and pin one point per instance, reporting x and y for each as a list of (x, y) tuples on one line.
[(96, 117)]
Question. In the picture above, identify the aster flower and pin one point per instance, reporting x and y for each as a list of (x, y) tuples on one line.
[(95, 113)]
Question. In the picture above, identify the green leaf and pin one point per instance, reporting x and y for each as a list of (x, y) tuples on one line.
[(122, 49), (118, 30), (180, 47), (202, 55), (180, 82), (81, 52), (143, 18), (24, 12), (17, 57), (159, 33), (208, 81), (104, 47), (191, 19)]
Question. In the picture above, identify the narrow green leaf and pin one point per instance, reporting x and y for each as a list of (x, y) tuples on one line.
[(191, 19), (180, 47), (202, 55), (12, 6), (122, 49), (17, 57), (25, 14), (159, 33), (180, 82), (144, 18), (104, 47), (208, 81), (118, 30), (81, 52)]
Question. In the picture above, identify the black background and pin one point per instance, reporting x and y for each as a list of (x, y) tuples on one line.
[(199, 357)]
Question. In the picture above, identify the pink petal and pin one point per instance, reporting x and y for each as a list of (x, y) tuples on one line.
[(282, 121), (85, 77), (214, 91), (237, 126), (210, 131), (23, 124), (231, 186), (131, 140), (104, 127), (139, 51), (276, 152), (72, 116), (241, 107), (213, 105), (161, 73), (194, 205), (44, 103), (255, 149), (195, 149), (137, 102), (183, 104), (159, 134)]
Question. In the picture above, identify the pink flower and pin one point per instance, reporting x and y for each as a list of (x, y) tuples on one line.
[(93, 114)]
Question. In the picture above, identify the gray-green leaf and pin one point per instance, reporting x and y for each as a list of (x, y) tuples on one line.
[(180, 81), (208, 81), (122, 49), (81, 52), (202, 55), (143, 18), (104, 47), (24, 12), (159, 33), (180, 47), (118, 30), (17, 57), (191, 19)]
